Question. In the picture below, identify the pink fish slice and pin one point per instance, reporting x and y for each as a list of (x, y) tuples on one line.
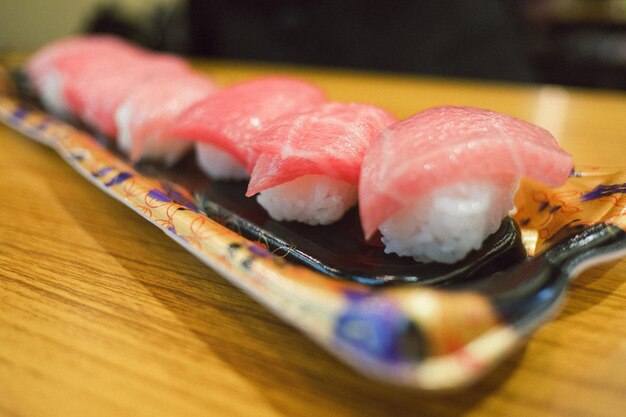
[(223, 124), (146, 114)]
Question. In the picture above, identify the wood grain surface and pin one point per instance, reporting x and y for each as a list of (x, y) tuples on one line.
[(102, 315)]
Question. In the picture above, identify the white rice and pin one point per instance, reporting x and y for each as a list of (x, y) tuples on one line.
[(311, 199), (123, 117), (446, 225), (218, 164), (52, 96), (166, 150)]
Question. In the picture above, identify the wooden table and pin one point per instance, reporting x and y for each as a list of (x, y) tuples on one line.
[(102, 314)]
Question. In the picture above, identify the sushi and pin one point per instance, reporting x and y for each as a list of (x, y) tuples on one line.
[(45, 58), (434, 185), (145, 115), (308, 163), (88, 77), (224, 124), (438, 183), (48, 73), (98, 89)]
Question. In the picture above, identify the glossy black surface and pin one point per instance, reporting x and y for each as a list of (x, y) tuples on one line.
[(532, 287), (338, 250)]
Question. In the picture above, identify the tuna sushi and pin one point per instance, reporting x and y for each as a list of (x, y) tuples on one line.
[(438, 183), (223, 124), (309, 163), (88, 77), (148, 111), (44, 59), (48, 73), (97, 90)]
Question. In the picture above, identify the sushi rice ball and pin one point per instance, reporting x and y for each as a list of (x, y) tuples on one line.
[(437, 184), (308, 164)]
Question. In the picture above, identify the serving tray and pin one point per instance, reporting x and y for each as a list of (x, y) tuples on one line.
[(430, 327)]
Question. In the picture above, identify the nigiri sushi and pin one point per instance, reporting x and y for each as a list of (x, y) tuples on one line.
[(438, 183), (145, 115), (89, 76), (223, 124), (308, 163), (43, 60), (46, 67), (97, 90)]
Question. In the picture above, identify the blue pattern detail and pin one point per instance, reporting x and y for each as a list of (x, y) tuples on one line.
[(102, 172), (172, 229), (119, 178), (20, 113), (159, 195), (258, 251), (372, 326), (171, 196), (603, 191), (554, 208), (356, 295)]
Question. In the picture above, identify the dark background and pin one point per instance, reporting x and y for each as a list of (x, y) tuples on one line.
[(575, 42)]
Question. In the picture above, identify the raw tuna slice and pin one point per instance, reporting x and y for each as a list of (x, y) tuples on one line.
[(309, 163), (437, 183), (330, 140), (223, 124), (148, 111), (98, 88), (89, 76), (43, 61), (53, 65)]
